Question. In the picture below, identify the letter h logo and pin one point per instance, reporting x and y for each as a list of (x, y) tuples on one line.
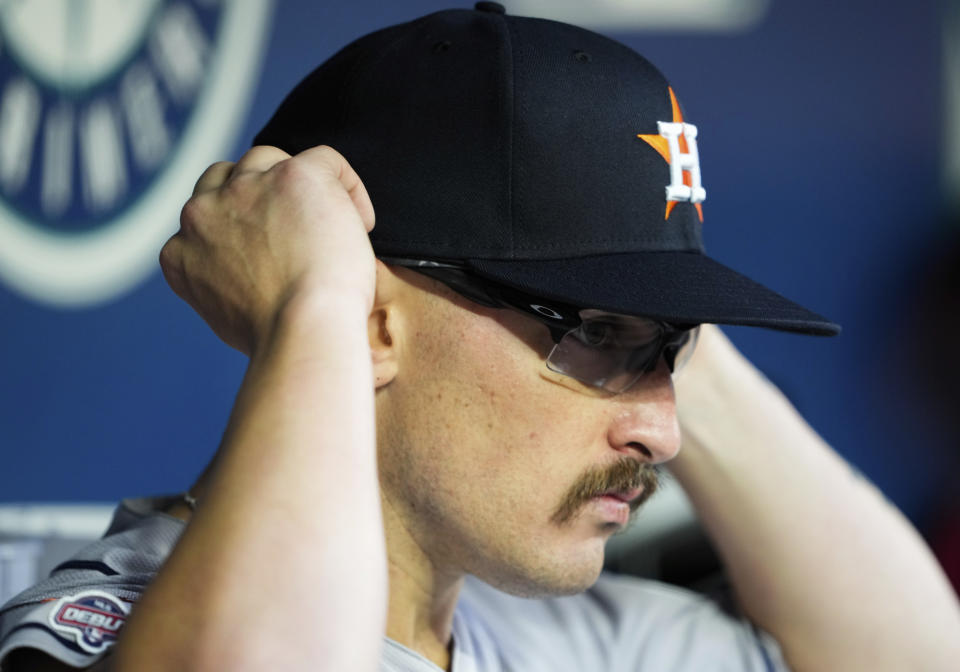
[(680, 161), (677, 144)]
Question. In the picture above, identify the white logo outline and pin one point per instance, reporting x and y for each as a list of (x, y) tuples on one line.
[(681, 162)]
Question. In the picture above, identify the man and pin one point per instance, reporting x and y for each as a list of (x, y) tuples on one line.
[(538, 203)]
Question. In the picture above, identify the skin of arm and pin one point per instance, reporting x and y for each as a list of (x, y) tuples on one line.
[(817, 556), (283, 566)]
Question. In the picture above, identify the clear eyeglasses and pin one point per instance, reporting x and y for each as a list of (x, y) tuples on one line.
[(601, 349)]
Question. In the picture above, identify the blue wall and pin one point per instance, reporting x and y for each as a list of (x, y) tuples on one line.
[(819, 135)]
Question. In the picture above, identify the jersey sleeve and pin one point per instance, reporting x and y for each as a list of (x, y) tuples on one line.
[(76, 614), (76, 629)]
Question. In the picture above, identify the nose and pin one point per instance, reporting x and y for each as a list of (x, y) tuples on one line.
[(644, 419)]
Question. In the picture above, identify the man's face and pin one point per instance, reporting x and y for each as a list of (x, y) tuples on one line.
[(493, 462)]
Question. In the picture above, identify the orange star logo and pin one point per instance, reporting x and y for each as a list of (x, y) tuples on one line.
[(660, 143)]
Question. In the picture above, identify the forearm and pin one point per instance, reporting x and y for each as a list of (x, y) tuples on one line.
[(817, 556), (288, 539)]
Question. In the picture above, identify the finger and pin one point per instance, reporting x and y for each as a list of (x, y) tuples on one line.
[(348, 178), (171, 264), (213, 177), (360, 197), (260, 159)]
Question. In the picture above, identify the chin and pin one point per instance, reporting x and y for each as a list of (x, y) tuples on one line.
[(552, 575)]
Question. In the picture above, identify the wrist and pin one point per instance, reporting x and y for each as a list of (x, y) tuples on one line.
[(322, 316)]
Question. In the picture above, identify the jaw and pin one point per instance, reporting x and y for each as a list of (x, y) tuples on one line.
[(550, 561)]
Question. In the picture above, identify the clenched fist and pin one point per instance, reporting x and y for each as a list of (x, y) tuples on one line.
[(261, 232)]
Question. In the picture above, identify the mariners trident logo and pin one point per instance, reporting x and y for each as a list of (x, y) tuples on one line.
[(677, 143), (109, 109)]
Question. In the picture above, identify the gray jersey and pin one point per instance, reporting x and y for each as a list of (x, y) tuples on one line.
[(621, 623)]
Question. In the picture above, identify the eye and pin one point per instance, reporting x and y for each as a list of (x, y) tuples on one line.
[(595, 333)]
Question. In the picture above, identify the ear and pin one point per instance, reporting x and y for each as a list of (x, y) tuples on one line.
[(383, 328)]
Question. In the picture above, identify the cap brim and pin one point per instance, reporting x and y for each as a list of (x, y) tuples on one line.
[(680, 287)]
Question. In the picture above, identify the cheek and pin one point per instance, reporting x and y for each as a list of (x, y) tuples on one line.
[(461, 398), (493, 394), (484, 434), (511, 441)]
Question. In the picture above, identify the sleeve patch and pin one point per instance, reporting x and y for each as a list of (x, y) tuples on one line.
[(92, 619)]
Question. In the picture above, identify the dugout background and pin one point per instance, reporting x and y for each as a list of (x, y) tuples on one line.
[(825, 141)]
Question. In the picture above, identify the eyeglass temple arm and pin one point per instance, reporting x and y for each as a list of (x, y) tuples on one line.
[(450, 275)]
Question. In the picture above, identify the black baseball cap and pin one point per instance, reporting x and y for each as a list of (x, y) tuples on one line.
[(537, 154)]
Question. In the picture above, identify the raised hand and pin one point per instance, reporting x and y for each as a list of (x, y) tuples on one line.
[(265, 231)]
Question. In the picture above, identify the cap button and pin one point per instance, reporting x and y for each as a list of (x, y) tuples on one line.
[(494, 7)]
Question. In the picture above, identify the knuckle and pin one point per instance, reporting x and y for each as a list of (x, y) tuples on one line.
[(261, 156), (240, 190), (190, 215), (235, 183), (171, 265), (166, 258), (262, 149), (213, 176), (168, 251), (332, 156), (291, 173)]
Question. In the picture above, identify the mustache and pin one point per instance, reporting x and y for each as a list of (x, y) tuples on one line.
[(625, 474)]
